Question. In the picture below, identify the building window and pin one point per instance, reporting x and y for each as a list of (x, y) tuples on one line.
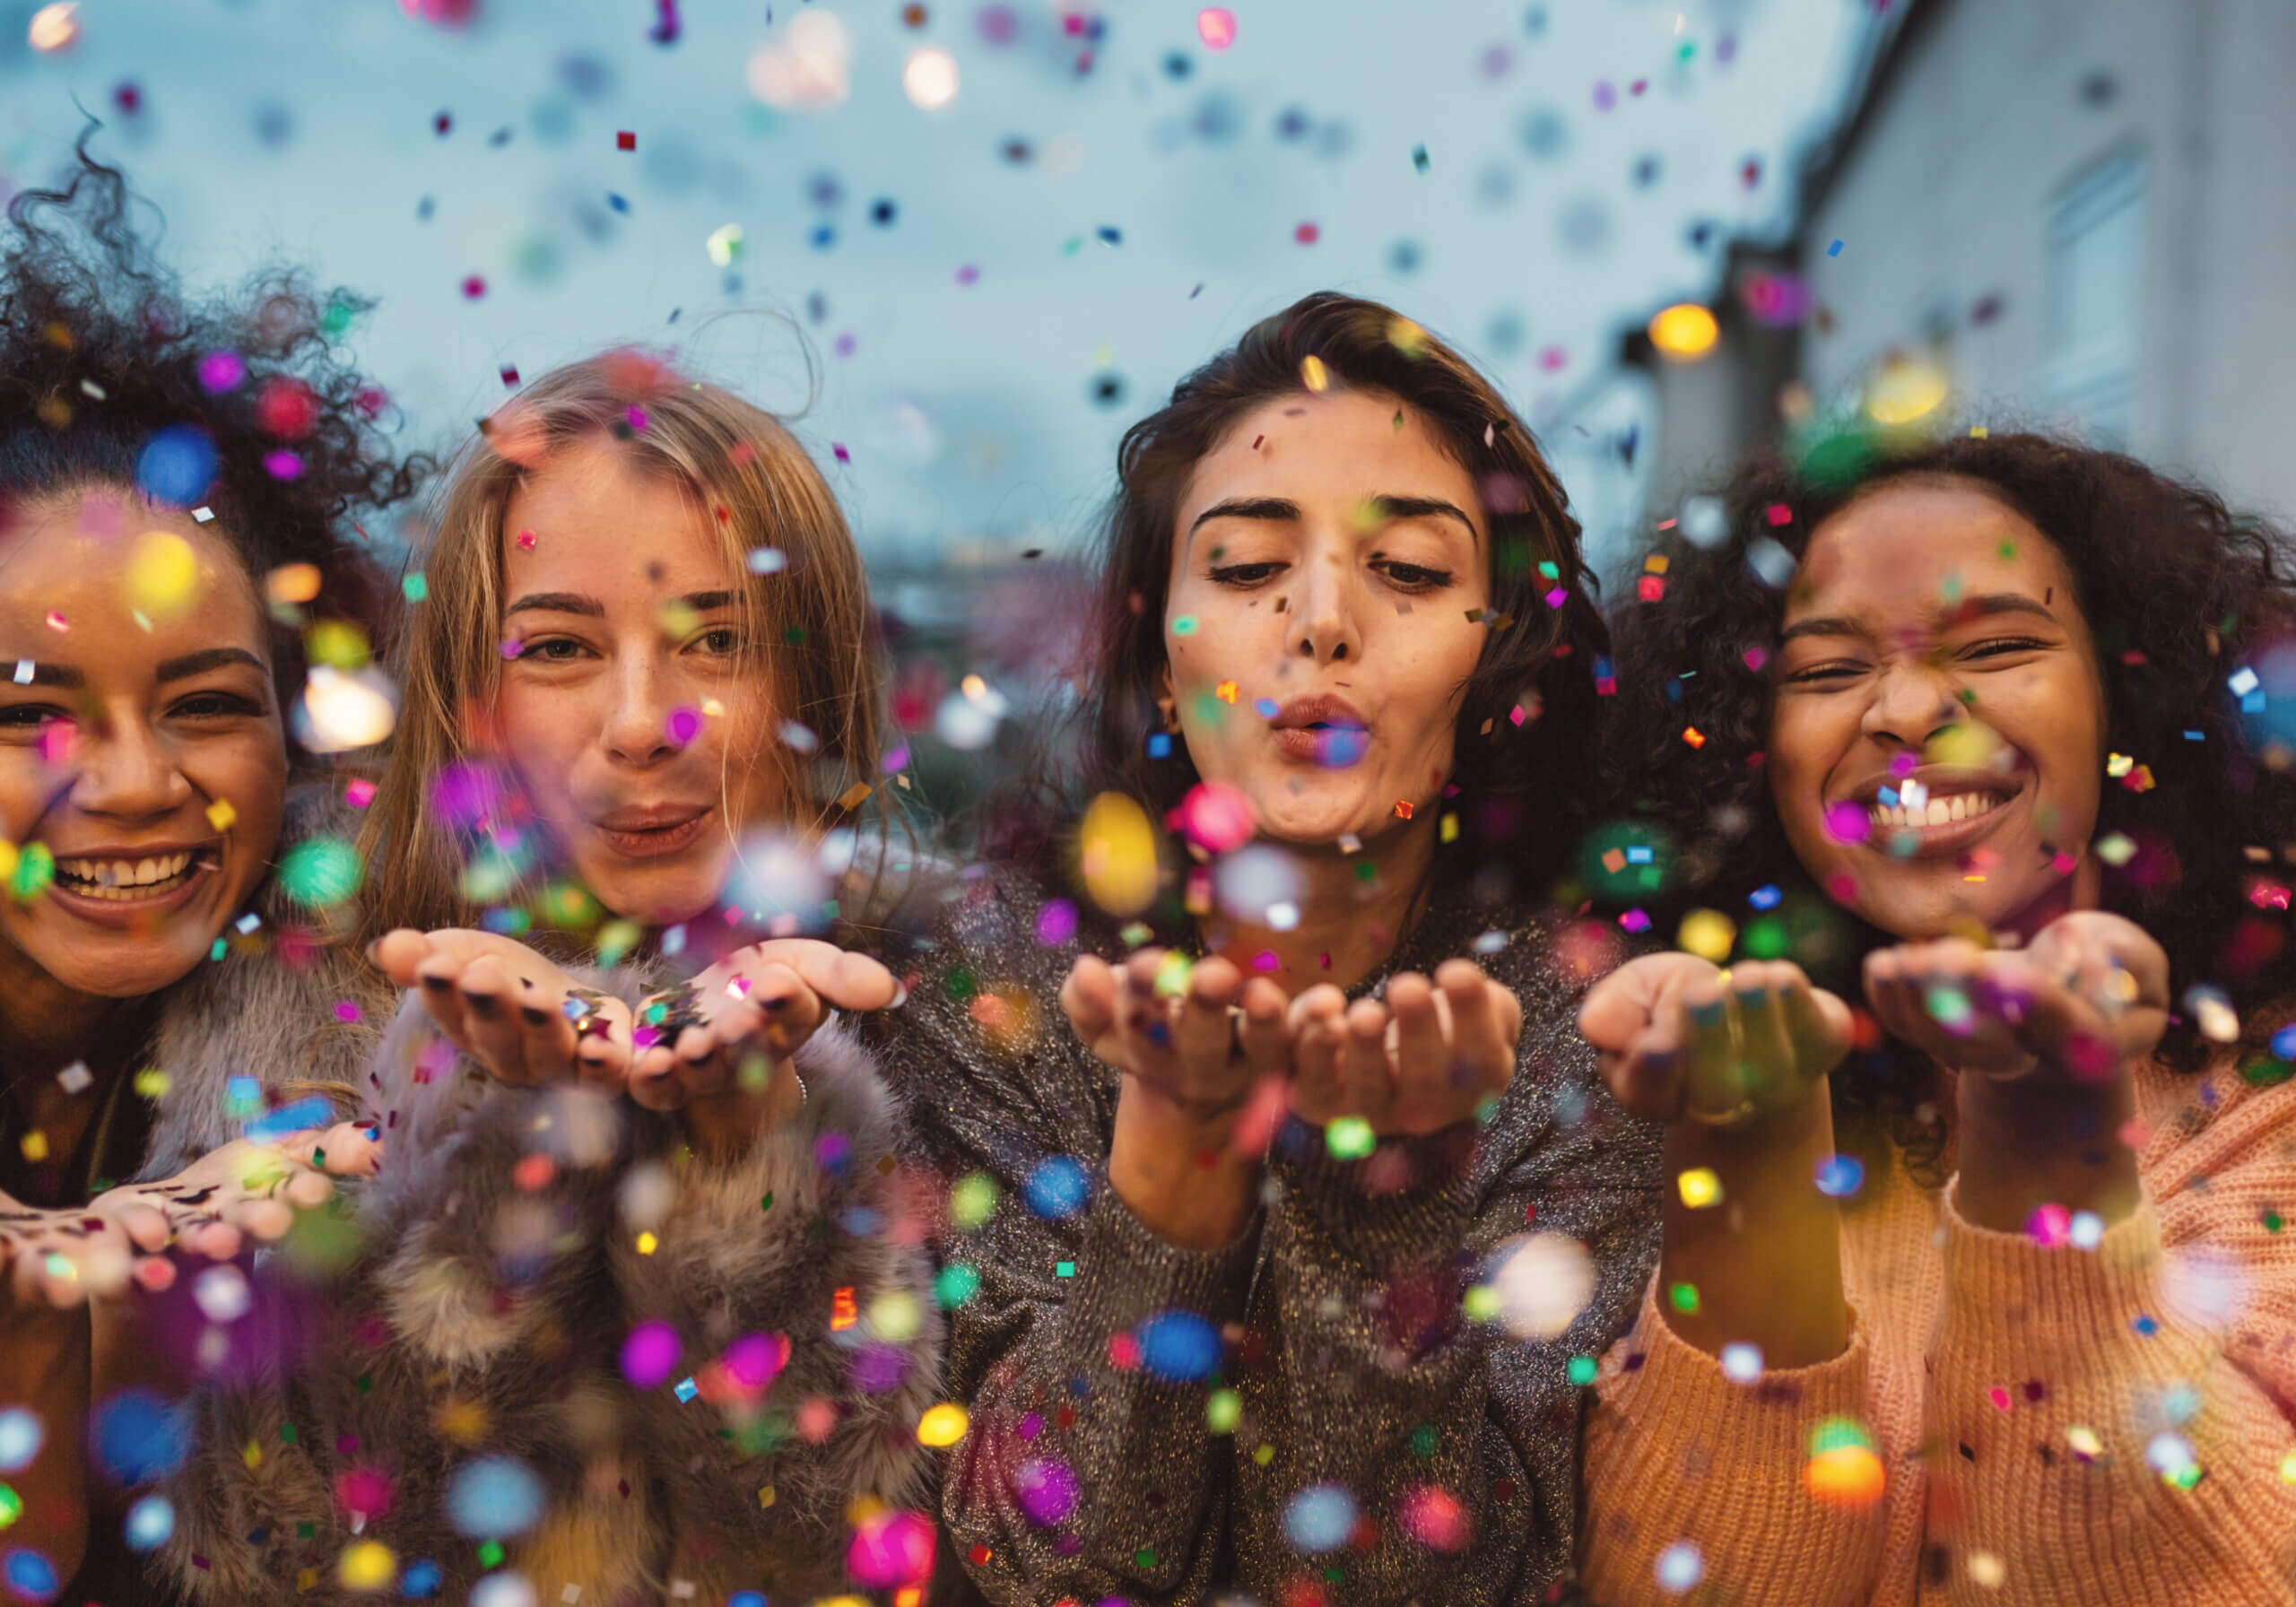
[(2095, 242)]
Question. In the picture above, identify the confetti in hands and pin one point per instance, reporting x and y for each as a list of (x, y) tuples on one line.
[(2088, 999), (528, 1023), (1211, 1043), (247, 1189), (1677, 1036)]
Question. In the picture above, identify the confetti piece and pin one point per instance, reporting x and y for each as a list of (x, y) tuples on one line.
[(1700, 1188), (221, 814), (1215, 25)]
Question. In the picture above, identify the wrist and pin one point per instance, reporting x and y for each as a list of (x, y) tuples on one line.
[(2047, 1139), (1178, 1171)]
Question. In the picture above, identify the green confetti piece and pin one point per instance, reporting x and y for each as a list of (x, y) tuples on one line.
[(287, 1433), (1185, 625), (1351, 1138), (415, 588), (1064, 1269), (35, 870), (955, 1284), (767, 1202), (489, 1555), (320, 872), (1683, 1297), (1424, 1441), (973, 1201), (1224, 1412)]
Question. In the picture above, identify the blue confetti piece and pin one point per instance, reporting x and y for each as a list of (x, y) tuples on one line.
[(616, 202), (686, 1390), (1177, 1346), (1834, 249), (313, 1110), (1059, 1187), (1765, 898), (1840, 1176)]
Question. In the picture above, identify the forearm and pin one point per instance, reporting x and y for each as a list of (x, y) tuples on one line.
[(2047, 1139), (1761, 1265), (1178, 1174), (45, 1359)]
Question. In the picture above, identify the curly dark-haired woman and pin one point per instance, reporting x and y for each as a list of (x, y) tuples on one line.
[(1223, 1230), (2001, 720), (160, 461)]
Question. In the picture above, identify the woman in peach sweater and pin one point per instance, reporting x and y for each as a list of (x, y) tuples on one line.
[(2002, 1307)]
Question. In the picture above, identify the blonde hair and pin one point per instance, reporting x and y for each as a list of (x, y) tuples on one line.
[(809, 612)]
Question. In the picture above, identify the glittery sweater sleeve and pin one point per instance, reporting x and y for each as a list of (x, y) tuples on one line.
[(2156, 1370), (1404, 1449), (1082, 1344)]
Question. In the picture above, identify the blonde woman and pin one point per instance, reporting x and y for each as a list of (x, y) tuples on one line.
[(645, 1315)]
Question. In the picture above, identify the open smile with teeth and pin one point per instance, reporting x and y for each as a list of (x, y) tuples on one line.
[(128, 880), (1911, 812)]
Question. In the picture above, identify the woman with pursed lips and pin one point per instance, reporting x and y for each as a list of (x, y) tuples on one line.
[(2027, 1336), (145, 801), (1221, 1220), (650, 1247)]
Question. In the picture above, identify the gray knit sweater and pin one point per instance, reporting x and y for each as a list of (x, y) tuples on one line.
[(1369, 1403)]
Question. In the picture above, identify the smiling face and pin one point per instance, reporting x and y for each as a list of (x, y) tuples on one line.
[(635, 715), (118, 739), (1325, 563), (1938, 729)]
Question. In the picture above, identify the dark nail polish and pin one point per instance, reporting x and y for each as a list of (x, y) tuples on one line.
[(437, 985), (534, 1018), (485, 1005)]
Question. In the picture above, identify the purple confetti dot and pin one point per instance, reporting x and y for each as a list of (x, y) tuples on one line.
[(283, 466), (650, 1354), (756, 1360), (220, 372), (1046, 1490), (682, 726), (1057, 922)]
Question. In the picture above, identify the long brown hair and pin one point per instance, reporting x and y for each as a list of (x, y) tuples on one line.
[(1545, 633), (809, 608)]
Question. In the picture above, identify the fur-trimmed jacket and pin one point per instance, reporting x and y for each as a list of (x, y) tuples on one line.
[(563, 1346)]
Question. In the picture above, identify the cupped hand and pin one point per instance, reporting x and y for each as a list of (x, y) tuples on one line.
[(249, 1189), (766, 1000), (1198, 1038), (2087, 998), (1677, 1037), (1421, 1060), (507, 1008)]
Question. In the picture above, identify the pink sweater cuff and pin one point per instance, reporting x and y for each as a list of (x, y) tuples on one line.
[(2014, 1304), (1678, 1452)]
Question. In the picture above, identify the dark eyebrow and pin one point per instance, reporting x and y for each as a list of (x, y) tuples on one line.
[(560, 603), (206, 659), (1833, 626), (703, 602), (45, 674), (1968, 608), (1249, 508), (1996, 603), (1423, 507)]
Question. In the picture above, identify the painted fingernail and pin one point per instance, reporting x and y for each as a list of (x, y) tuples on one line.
[(534, 1018), (1748, 997), (437, 985), (485, 1005), (1712, 1014)]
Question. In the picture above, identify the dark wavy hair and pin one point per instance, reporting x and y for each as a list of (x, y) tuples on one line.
[(100, 351), (2178, 590), (1515, 801)]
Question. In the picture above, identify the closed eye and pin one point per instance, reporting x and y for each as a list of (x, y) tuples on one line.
[(215, 705), (1995, 646), (1825, 671), (28, 717), (551, 649), (1413, 576), (1246, 574)]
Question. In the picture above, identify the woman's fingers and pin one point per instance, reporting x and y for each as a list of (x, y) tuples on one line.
[(1264, 1033), (1318, 1024), (782, 1008), (1203, 1038), (494, 1034), (1486, 1022), (351, 1150), (1366, 1086)]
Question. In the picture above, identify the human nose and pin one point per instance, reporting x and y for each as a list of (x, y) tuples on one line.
[(1914, 700), (637, 726), (124, 769), (1325, 610)]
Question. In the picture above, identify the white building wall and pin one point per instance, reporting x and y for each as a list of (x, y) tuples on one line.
[(1945, 200)]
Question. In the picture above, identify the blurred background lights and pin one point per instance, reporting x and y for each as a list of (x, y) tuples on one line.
[(55, 27), (1685, 332), (808, 69), (930, 78)]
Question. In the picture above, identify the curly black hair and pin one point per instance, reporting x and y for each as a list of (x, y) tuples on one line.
[(1530, 707), (2179, 591), (100, 352)]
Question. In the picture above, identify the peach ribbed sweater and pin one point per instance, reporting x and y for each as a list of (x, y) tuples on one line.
[(1978, 1360)]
